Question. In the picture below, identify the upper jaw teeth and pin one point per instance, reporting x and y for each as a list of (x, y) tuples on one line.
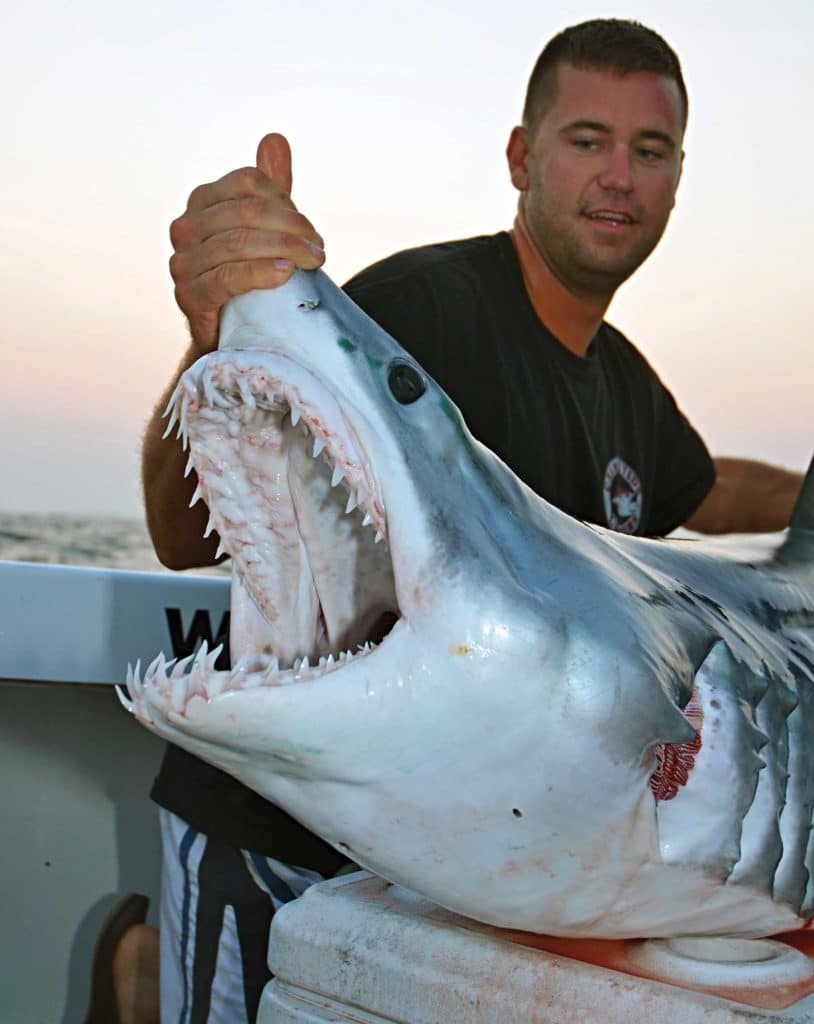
[(241, 527), (218, 395)]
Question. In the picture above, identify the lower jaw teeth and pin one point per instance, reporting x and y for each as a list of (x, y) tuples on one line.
[(271, 667)]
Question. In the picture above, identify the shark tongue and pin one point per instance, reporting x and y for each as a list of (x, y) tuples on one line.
[(352, 575), (254, 640)]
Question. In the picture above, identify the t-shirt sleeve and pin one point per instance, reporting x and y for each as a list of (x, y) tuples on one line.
[(685, 471)]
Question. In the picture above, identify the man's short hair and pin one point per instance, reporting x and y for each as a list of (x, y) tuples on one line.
[(603, 44)]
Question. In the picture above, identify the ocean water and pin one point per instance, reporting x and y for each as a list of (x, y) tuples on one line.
[(77, 540)]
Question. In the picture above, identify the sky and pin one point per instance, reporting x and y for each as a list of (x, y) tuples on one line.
[(398, 116)]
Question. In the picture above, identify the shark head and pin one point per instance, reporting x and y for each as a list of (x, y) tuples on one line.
[(333, 467), (431, 667)]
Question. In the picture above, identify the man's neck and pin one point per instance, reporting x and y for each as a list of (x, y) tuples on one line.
[(573, 320)]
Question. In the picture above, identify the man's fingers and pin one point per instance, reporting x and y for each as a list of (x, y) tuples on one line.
[(243, 245), (274, 160), (246, 181), (240, 233), (210, 290), (255, 212)]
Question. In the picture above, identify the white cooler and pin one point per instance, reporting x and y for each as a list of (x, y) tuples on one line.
[(357, 949)]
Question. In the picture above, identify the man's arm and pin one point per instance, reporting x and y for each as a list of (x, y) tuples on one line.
[(238, 233), (175, 528), (747, 497)]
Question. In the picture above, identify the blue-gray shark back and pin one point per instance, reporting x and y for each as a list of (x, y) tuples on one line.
[(535, 722)]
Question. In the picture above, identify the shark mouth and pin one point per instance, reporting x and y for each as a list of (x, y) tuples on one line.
[(293, 496)]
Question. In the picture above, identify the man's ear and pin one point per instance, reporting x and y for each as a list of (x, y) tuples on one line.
[(517, 152), (678, 179)]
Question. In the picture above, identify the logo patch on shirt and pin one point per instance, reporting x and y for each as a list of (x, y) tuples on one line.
[(622, 494)]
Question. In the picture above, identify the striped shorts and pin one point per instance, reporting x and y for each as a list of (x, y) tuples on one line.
[(216, 909)]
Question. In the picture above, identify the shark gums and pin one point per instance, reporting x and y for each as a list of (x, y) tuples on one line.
[(535, 722)]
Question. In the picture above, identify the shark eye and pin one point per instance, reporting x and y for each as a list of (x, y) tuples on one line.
[(405, 382)]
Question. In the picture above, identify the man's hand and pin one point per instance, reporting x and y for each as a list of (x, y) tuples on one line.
[(236, 234), (239, 233)]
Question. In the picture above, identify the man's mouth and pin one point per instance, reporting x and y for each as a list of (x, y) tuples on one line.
[(613, 218)]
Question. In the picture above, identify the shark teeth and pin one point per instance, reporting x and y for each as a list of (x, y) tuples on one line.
[(246, 395), (242, 396), (167, 687), (242, 401)]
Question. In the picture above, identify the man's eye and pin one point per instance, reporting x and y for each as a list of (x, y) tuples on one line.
[(585, 145), (650, 156)]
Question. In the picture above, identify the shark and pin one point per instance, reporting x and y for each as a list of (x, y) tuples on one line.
[(534, 721)]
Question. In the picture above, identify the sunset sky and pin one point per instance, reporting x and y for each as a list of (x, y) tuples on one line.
[(398, 115)]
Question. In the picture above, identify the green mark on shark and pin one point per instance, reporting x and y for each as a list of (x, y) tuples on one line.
[(351, 347), (451, 413)]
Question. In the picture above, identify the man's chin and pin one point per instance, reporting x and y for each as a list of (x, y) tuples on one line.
[(598, 278), (609, 266)]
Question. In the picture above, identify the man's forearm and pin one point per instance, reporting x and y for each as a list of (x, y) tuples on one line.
[(748, 497), (175, 528)]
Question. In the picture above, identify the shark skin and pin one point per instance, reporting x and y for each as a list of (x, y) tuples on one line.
[(535, 722)]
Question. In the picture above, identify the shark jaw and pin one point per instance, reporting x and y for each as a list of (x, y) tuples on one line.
[(294, 498)]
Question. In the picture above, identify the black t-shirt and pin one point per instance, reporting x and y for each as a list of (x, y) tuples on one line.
[(600, 437)]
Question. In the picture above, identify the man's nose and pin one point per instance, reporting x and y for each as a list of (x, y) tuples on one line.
[(617, 173)]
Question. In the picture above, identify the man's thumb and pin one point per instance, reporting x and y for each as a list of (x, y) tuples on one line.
[(274, 159)]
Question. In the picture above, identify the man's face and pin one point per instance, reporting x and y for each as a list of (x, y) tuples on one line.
[(599, 174)]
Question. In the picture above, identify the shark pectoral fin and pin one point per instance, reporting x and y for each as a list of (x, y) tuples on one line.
[(802, 518)]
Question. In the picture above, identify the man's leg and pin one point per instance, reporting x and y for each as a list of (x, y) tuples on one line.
[(216, 909), (181, 850), (231, 939), (124, 974), (202, 978), (281, 883), (135, 976)]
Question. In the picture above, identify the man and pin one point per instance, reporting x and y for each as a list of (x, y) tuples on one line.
[(512, 327)]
